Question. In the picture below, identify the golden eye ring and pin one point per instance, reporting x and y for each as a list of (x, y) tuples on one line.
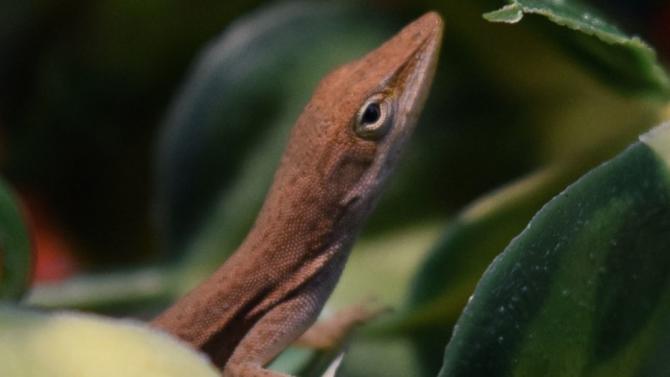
[(373, 120)]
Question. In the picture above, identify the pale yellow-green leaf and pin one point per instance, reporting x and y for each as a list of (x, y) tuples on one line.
[(71, 344)]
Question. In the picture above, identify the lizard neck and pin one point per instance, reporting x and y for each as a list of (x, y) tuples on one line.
[(303, 231)]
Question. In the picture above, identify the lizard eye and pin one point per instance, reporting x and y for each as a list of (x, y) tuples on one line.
[(373, 119)]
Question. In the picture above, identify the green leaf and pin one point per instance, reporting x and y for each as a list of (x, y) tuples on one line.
[(449, 274), (570, 13), (584, 290), (15, 247), (73, 344), (454, 265), (620, 59), (510, 13)]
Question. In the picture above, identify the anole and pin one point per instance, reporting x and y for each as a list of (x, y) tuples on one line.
[(341, 151)]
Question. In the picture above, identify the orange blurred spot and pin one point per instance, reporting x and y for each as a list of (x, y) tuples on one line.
[(54, 257)]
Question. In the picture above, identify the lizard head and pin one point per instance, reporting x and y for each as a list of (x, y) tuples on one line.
[(347, 141), (379, 99)]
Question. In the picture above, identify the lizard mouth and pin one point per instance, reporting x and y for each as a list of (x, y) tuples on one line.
[(416, 75)]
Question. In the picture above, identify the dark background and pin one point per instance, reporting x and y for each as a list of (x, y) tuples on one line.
[(85, 86)]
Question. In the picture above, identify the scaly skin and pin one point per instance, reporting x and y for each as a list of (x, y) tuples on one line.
[(341, 151)]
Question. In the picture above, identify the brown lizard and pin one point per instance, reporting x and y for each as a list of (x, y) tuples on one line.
[(341, 151)]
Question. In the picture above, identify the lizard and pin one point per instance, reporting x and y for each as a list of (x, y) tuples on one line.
[(340, 153)]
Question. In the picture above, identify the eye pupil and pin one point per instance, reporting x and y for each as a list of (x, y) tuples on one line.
[(371, 114), (374, 119)]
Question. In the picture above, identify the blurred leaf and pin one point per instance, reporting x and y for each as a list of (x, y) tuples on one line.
[(384, 357), (229, 125), (453, 266), (583, 290), (116, 64), (622, 60), (394, 255), (107, 293), (72, 344), (542, 106), (15, 247), (448, 275)]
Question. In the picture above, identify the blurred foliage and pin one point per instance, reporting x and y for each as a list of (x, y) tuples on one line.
[(624, 61), (15, 248), (257, 55), (84, 86), (151, 139)]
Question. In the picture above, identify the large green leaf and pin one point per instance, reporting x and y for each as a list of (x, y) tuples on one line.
[(15, 247), (78, 345), (448, 275), (622, 60), (584, 290)]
